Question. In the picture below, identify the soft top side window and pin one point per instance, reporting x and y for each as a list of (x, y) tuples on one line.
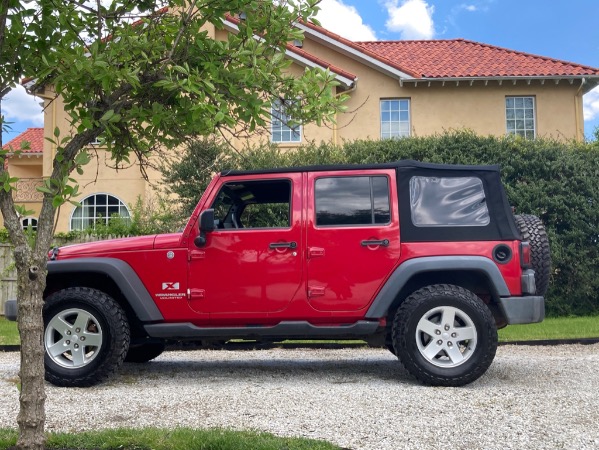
[(448, 202)]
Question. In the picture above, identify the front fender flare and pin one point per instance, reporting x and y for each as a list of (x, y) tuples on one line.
[(122, 274)]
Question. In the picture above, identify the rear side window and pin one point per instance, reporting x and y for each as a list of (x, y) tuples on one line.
[(448, 202), (352, 201)]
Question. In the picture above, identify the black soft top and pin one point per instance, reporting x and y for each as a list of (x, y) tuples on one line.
[(400, 165), (501, 226)]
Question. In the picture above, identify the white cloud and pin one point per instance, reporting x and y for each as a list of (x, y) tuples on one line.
[(413, 19), (344, 20), (470, 8), (19, 106), (590, 104)]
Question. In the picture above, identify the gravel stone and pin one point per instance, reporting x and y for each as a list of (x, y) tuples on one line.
[(531, 397)]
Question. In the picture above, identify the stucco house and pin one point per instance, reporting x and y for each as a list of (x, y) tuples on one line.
[(395, 88)]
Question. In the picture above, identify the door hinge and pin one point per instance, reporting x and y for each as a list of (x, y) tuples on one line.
[(315, 291), (315, 252), (195, 294), (196, 254)]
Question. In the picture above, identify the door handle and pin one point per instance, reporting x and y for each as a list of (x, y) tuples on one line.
[(383, 242), (274, 245)]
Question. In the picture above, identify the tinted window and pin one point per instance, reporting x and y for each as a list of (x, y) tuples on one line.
[(352, 201), (253, 204), (448, 202)]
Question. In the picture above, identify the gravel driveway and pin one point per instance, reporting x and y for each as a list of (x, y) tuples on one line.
[(531, 397)]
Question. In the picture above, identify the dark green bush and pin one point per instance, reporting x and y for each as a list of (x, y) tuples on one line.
[(554, 180)]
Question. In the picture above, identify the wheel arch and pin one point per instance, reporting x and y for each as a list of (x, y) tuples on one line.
[(475, 273), (112, 276)]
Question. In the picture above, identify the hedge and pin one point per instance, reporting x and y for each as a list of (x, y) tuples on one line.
[(555, 180)]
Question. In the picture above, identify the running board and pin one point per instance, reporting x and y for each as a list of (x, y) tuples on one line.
[(288, 330)]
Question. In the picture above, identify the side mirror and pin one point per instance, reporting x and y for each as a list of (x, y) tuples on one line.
[(206, 226), (207, 221)]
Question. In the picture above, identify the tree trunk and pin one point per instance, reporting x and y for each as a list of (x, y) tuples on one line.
[(31, 282)]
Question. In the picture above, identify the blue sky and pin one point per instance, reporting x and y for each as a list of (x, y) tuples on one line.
[(560, 29)]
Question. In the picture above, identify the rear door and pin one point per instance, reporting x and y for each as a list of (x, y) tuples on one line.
[(352, 237)]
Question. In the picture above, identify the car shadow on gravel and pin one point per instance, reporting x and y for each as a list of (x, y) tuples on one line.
[(254, 369)]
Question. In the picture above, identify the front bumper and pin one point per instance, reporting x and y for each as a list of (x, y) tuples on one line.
[(529, 309)]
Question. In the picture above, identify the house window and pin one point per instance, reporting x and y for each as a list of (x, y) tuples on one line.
[(280, 129), (520, 116), (96, 208), (395, 118), (29, 223)]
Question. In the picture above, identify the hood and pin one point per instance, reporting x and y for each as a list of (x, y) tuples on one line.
[(107, 247)]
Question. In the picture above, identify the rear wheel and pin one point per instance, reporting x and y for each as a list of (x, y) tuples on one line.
[(533, 231), (444, 335), (86, 337)]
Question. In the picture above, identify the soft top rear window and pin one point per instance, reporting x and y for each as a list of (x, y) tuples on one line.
[(448, 202)]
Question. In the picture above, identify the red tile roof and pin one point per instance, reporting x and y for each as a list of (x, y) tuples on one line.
[(461, 58), (35, 137), (316, 60), (360, 48)]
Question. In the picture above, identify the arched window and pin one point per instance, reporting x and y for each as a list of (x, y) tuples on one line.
[(28, 222), (97, 207)]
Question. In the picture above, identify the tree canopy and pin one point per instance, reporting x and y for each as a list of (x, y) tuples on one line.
[(141, 76)]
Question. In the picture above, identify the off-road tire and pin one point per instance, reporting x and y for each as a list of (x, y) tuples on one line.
[(465, 304), (533, 231), (113, 338), (145, 352)]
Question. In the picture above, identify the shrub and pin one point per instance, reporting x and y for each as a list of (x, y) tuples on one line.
[(554, 180)]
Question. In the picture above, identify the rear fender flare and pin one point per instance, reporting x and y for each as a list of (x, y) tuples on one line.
[(402, 275)]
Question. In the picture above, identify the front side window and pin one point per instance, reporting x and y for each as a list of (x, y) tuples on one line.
[(448, 202), (98, 208), (520, 116), (253, 204), (281, 131), (352, 201), (395, 118)]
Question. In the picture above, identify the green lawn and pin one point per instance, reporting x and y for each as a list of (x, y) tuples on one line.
[(9, 335), (177, 439), (552, 328)]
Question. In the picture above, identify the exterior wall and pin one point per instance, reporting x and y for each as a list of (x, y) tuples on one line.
[(433, 109)]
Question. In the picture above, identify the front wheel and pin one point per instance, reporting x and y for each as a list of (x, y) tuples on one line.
[(86, 337), (444, 335)]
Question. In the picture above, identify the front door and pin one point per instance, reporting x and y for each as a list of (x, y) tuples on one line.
[(353, 237), (250, 264)]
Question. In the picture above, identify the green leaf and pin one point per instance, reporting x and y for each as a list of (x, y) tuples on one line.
[(107, 115)]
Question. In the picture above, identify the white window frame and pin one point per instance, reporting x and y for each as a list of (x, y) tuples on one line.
[(529, 133), (26, 221), (280, 131), (395, 120), (95, 216)]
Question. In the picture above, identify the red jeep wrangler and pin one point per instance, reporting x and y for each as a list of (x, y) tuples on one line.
[(425, 259)]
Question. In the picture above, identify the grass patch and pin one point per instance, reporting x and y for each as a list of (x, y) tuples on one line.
[(9, 335), (552, 328), (177, 439)]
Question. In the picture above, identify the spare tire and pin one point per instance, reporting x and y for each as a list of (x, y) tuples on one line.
[(533, 231)]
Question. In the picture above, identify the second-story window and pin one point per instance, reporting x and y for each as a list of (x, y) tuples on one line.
[(395, 118), (520, 116), (281, 129)]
